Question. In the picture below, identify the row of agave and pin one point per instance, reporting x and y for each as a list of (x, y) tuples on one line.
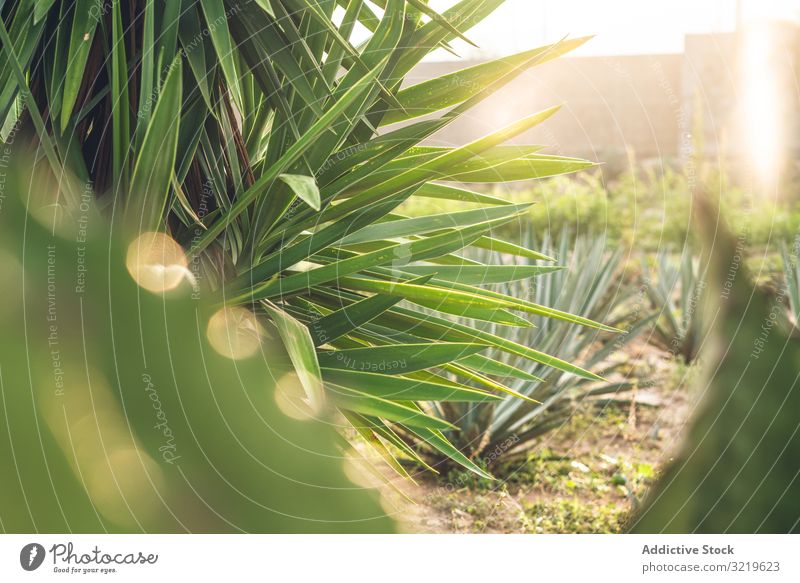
[(672, 286), (591, 284)]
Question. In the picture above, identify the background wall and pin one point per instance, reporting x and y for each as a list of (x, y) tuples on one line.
[(657, 106)]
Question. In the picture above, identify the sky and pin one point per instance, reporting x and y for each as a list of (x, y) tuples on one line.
[(620, 26)]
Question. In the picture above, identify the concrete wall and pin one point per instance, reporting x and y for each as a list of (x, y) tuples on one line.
[(609, 105), (658, 106)]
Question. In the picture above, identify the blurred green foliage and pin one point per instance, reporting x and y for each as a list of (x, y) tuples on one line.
[(119, 416)]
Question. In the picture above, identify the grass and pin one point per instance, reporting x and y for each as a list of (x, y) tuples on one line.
[(573, 516), (641, 209), (598, 468)]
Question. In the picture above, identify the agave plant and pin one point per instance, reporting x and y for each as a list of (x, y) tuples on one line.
[(675, 293), (268, 143), (590, 287), (791, 274)]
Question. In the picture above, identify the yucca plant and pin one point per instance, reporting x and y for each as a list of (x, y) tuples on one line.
[(590, 286), (675, 288), (261, 137)]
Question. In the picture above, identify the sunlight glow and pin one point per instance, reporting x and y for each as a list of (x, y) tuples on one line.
[(234, 332), (124, 483), (157, 263), (290, 396), (761, 103)]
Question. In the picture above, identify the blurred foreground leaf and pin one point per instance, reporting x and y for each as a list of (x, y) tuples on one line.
[(120, 416), (739, 469)]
